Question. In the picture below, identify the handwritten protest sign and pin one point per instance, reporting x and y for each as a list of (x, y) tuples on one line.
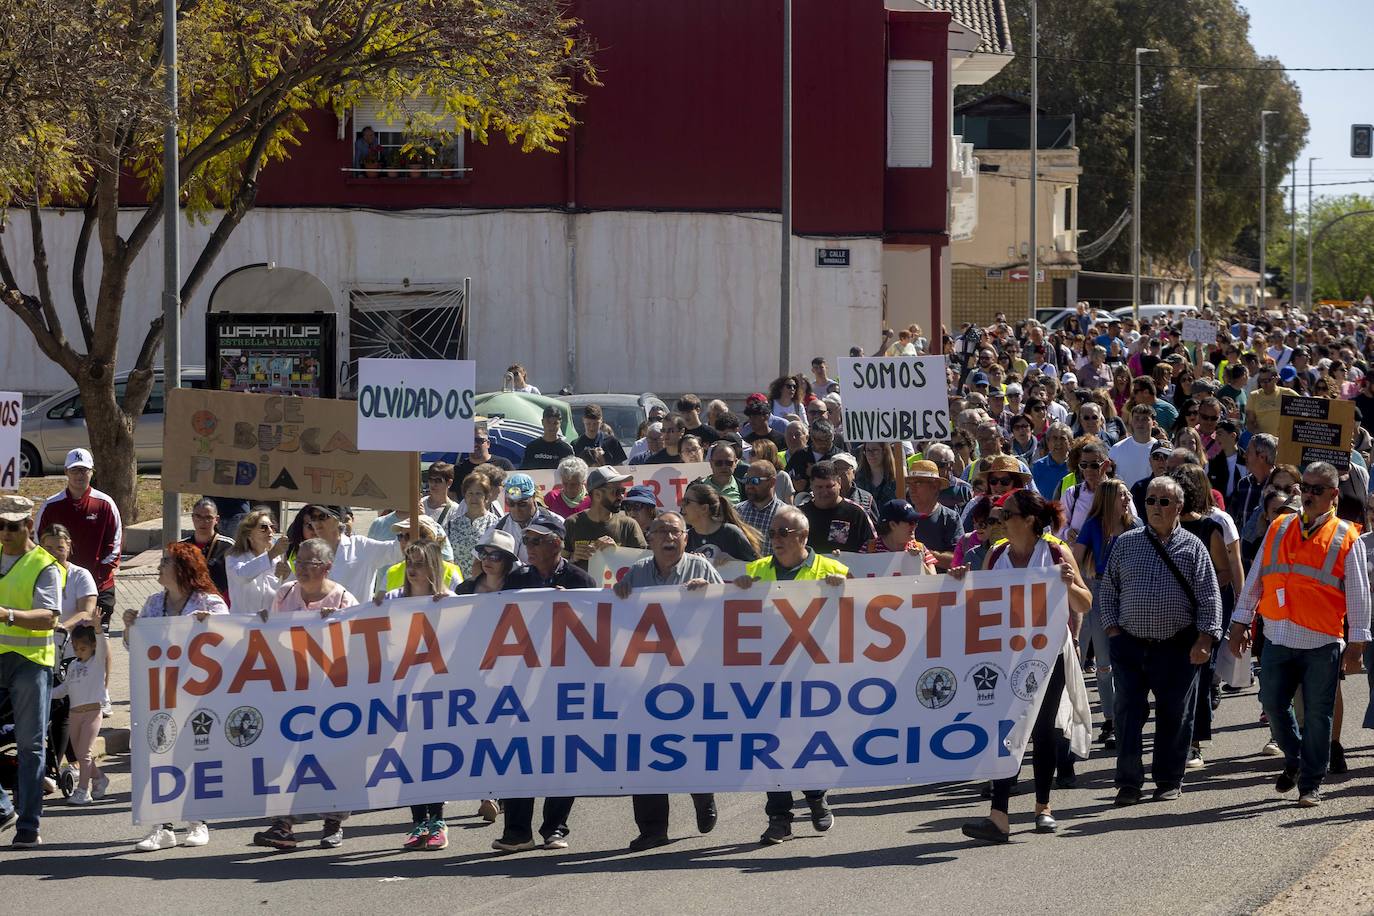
[(891, 399), (416, 404), (879, 682), (1199, 330), (11, 416), (270, 447), (607, 567), (668, 481), (1316, 429)]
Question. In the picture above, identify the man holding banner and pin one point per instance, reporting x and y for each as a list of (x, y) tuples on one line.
[(669, 564)]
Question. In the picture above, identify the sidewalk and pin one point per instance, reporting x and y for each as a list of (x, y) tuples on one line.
[(1339, 885)]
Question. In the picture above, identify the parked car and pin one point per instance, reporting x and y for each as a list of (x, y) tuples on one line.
[(622, 412), (53, 427), (1154, 310), (514, 420)]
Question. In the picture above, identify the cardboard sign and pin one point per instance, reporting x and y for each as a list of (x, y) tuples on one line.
[(271, 447), (1199, 330), (893, 399), (416, 405), (668, 481), (1316, 429), (11, 416)]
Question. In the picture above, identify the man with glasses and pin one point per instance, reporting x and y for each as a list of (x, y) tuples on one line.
[(521, 504), (602, 525), (641, 504), (669, 564), (480, 454), (543, 543), (723, 458), (799, 461), (1309, 584), (1161, 455), (793, 559), (657, 412), (30, 603), (656, 444), (835, 523), (212, 545), (1091, 421), (1159, 604), (937, 526), (438, 504), (355, 559), (760, 503), (760, 420)]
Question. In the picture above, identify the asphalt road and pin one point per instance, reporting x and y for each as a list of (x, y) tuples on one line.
[(1227, 846)]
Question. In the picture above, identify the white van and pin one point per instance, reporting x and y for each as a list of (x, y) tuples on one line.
[(1153, 311)]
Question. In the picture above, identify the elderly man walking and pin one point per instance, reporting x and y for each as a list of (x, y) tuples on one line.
[(1310, 582), (1161, 609), (669, 564)]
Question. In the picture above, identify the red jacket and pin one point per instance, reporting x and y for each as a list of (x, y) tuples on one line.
[(97, 531)]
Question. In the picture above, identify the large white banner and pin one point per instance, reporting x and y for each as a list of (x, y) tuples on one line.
[(416, 405), (668, 481), (609, 566), (11, 417), (894, 398), (785, 685)]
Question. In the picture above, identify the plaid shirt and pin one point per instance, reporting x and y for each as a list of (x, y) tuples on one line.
[(760, 520), (1140, 595)]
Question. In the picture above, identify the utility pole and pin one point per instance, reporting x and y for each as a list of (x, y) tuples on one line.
[(785, 281), (1197, 200), (1033, 254), (171, 251), (1135, 198), (1310, 160), (1264, 206), (1293, 237)]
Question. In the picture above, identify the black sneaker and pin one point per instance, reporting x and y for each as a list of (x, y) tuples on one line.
[(1287, 780), (984, 830), (26, 839), (821, 818), (278, 836), (779, 831), (8, 820), (648, 841), (1338, 765), (1127, 796), (1215, 698), (706, 813), (1167, 793)]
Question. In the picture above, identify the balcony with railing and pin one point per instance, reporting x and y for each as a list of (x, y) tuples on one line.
[(963, 216)]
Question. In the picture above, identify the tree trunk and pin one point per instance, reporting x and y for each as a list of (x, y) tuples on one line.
[(112, 444)]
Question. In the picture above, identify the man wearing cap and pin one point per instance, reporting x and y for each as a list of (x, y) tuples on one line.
[(1160, 453), (937, 525), (835, 523), (846, 465), (760, 501), (357, 559), (393, 577), (640, 504), (598, 437), (521, 505), (602, 525), (543, 543), (97, 530), (545, 452), (30, 602), (1226, 468)]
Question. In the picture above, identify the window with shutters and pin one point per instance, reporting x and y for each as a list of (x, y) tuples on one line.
[(380, 142), (910, 104)]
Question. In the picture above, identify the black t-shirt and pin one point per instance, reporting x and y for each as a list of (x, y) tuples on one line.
[(706, 434), (776, 438), (614, 452), (727, 540), (663, 456), (542, 454), (566, 575), (842, 527)]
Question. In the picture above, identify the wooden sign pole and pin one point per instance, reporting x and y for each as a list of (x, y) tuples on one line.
[(416, 498), (900, 456)]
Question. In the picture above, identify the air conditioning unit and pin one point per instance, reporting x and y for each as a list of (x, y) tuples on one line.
[(1065, 242)]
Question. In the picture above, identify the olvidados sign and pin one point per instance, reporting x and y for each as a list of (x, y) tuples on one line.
[(416, 405)]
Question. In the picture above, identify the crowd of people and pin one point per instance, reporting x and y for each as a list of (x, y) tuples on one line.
[(1144, 470)]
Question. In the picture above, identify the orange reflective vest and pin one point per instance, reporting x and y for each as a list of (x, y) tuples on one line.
[(1303, 578)]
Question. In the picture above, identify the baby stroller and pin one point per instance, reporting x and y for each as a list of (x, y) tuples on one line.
[(55, 747)]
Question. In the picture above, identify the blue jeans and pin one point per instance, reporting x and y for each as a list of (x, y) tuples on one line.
[(27, 686), (1316, 672), (1162, 667), (1106, 688)]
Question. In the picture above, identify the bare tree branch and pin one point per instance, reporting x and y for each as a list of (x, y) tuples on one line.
[(83, 245), (41, 273)]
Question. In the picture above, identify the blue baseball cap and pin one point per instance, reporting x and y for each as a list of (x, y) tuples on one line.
[(641, 494), (520, 486)]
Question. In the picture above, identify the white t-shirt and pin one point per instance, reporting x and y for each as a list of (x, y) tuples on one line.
[(84, 683), (253, 581), (80, 584), (357, 560), (1132, 460)]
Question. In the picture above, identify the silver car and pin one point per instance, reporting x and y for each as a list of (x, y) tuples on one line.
[(54, 427), (621, 412)]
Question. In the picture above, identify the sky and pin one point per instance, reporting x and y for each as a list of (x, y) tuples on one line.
[(1323, 33)]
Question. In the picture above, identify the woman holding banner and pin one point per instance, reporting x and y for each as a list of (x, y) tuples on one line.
[(716, 531), (896, 534), (1029, 519), (251, 562)]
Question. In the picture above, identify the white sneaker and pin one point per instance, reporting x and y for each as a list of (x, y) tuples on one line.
[(197, 834), (99, 786), (1272, 749), (158, 838), (106, 710), (80, 796), (49, 785)]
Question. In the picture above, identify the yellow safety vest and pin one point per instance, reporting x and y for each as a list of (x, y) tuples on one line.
[(765, 571), (16, 591), (396, 575)]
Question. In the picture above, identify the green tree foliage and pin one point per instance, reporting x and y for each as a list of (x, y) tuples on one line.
[(1076, 36), (1342, 248), (81, 112)]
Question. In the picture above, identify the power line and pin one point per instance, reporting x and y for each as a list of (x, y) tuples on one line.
[(1279, 68)]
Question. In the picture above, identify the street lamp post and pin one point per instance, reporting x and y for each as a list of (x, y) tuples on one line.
[(1264, 206), (1135, 198), (1197, 200), (171, 250), (785, 280), (1033, 258), (1293, 237), (1310, 160)]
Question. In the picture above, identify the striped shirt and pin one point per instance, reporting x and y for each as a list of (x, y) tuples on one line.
[(760, 520), (1140, 595), (1286, 632)]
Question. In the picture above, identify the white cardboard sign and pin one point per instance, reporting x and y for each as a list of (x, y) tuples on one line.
[(11, 415), (416, 405), (894, 399)]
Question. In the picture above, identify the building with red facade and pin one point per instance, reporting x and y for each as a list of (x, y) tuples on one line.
[(645, 253)]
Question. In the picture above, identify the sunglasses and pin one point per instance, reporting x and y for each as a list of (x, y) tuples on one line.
[(482, 441), (489, 553), (1163, 502), (311, 564), (791, 386), (520, 503), (1209, 416), (756, 481), (535, 540), (316, 517), (1090, 465), (12, 526), (1000, 480), (267, 526), (782, 532), (1316, 489)]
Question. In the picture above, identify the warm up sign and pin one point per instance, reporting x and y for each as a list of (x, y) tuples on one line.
[(793, 685), (892, 399)]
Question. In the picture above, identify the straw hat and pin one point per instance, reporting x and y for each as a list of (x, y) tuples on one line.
[(925, 470), (1002, 464)]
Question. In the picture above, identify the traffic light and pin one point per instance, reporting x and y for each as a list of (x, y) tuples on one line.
[(1362, 141)]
